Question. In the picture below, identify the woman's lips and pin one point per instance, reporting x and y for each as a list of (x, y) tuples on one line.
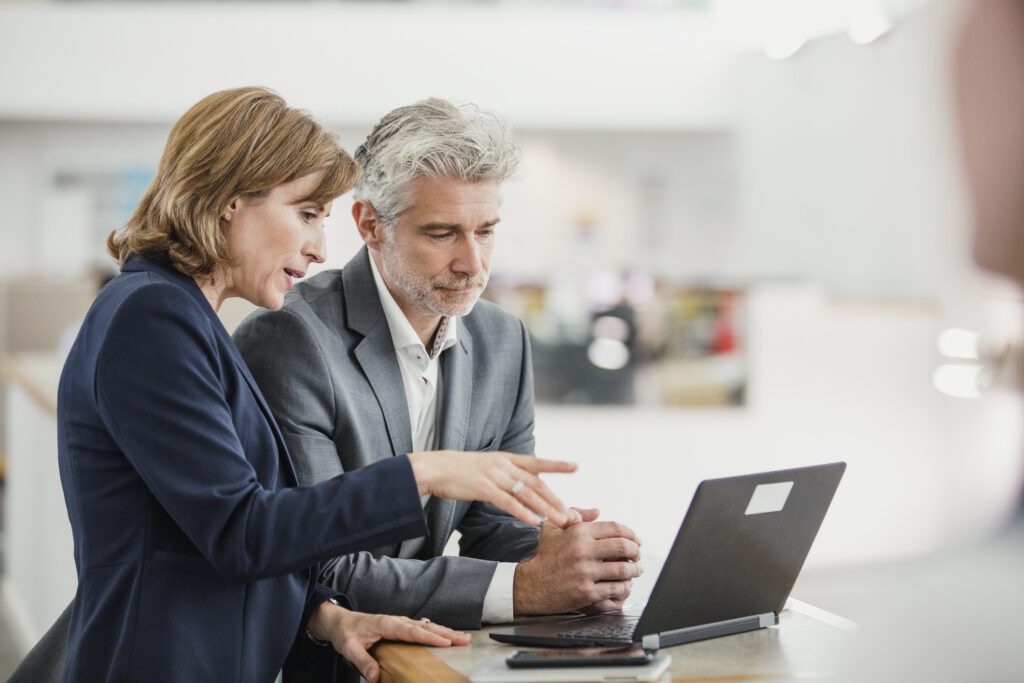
[(291, 275)]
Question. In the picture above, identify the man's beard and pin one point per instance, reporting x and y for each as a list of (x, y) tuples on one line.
[(430, 294)]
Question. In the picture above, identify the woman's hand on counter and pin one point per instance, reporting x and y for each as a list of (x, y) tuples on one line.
[(353, 633)]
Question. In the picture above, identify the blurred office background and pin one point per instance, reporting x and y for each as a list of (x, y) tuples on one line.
[(739, 239)]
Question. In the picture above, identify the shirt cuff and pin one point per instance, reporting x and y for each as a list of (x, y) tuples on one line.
[(498, 605)]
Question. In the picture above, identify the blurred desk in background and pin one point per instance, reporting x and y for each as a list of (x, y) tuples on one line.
[(805, 645)]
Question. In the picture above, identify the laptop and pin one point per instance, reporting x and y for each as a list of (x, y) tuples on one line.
[(731, 568)]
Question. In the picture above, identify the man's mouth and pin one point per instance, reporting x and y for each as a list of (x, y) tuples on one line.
[(467, 287)]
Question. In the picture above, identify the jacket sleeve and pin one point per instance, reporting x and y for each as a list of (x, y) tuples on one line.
[(488, 532), (161, 393), (446, 589)]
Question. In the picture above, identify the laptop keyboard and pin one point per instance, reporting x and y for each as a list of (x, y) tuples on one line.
[(622, 631)]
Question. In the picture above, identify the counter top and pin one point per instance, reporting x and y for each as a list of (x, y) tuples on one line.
[(804, 645)]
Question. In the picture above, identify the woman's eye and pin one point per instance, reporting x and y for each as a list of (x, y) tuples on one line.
[(308, 216)]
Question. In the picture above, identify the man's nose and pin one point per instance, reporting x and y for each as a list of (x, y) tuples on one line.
[(468, 259)]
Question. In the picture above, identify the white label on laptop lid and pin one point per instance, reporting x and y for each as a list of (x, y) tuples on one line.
[(769, 498)]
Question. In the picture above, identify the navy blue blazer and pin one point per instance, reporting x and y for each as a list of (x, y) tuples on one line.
[(195, 552)]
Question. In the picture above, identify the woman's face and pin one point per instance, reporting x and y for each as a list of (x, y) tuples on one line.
[(273, 238)]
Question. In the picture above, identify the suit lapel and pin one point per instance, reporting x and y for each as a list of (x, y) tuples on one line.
[(456, 400), (375, 353), (457, 392), (285, 458), (376, 356)]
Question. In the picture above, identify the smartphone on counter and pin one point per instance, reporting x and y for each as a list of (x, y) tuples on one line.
[(583, 656)]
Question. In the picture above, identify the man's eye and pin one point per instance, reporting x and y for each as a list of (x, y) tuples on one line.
[(308, 216), (439, 235), (485, 234)]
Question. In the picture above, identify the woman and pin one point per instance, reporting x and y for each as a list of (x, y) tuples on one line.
[(193, 547)]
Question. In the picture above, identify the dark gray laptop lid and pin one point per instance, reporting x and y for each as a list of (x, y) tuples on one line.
[(741, 547)]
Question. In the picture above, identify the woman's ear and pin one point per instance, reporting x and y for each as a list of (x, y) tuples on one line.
[(229, 212)]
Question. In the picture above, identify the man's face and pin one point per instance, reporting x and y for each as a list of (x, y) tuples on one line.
[(436, 258), (990, 89)]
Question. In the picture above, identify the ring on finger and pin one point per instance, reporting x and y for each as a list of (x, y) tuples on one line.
[(424, 620), (518, 486)]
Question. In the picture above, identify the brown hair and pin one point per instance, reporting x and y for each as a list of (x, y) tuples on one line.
[(244, 141)]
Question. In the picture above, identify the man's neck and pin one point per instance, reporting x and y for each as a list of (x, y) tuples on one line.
[(425, 325)]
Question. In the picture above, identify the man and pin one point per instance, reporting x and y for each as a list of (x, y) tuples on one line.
[(394, 353)]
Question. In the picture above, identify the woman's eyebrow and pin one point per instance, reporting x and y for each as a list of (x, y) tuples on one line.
[(299, 202)]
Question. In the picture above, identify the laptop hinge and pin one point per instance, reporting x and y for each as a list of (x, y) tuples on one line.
[(690, 634)]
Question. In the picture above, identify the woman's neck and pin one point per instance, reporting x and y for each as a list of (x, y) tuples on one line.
[(215, 289)]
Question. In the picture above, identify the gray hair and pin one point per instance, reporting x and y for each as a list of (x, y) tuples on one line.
[(432, 138)]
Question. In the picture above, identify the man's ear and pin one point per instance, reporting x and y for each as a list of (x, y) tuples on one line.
[(368, 222)]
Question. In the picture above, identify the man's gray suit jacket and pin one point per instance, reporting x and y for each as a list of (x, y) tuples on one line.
[(327, 366)]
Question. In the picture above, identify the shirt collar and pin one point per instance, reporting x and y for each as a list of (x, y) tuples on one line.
[(402, 333)]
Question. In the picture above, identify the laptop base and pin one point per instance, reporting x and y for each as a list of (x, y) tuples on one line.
[(692, 634), (567, 633)]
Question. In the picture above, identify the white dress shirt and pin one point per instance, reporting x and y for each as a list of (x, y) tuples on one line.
[(423, 380)]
